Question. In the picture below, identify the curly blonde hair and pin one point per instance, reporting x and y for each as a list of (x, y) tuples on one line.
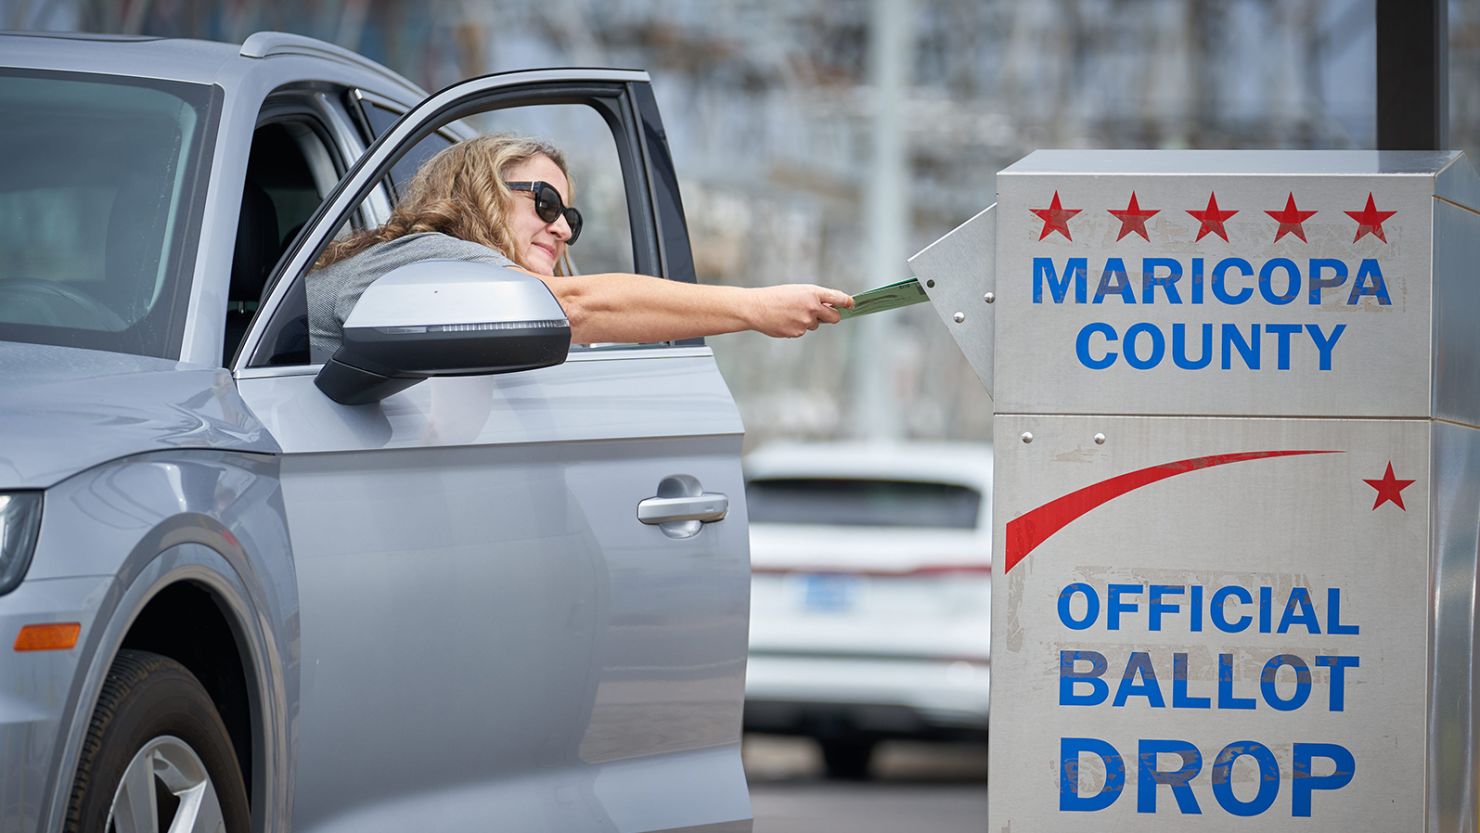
[(460, 192)]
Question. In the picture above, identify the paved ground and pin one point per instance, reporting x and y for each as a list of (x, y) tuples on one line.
[(917, 788)]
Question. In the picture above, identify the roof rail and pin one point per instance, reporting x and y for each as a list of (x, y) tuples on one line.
[(268, 44)]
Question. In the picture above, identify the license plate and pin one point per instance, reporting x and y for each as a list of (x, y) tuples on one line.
[(829, 593)]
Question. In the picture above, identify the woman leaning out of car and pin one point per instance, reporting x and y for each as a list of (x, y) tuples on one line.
[(504, 199)]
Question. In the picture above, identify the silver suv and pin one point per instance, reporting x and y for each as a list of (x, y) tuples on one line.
[(492, 600)]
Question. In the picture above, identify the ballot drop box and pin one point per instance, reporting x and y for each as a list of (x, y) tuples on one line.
[(1237, 487)]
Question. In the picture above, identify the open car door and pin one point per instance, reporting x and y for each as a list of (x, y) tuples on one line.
[(491, 634)]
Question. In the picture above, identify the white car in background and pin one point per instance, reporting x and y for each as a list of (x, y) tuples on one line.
[(870, 594)]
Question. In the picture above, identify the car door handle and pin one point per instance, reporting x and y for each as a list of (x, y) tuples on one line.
[(705, 508)]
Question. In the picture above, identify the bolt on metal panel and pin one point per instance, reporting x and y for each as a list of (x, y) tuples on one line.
[(957, 274)]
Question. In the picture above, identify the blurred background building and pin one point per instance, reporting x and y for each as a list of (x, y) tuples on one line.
[(827, 140)]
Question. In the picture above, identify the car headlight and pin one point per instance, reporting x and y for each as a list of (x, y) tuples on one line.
[(20, 520)]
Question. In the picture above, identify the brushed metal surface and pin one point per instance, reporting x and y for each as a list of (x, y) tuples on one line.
[(1459, 182), (1456, 335), (1277, 473), (1454, 710), (957, 272), (1282, 163), (1283, 522), (1039, 369)]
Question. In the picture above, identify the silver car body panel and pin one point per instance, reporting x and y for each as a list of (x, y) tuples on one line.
[(155, 472), (111, 538), (278, 44), (192, 61), (37, 706), (79, 408), (452, 501)]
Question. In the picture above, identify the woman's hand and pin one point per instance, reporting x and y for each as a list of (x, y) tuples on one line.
[(790, 310)]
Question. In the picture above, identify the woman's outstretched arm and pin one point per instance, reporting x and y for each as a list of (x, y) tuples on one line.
[(620, 307)]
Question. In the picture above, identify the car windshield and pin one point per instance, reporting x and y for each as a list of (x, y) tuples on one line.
[(98, 208), (862, 502)]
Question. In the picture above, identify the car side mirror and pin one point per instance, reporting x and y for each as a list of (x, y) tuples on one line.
[(444, 318)]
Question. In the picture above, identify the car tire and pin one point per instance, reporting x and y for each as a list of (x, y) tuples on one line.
[(156, 750), (847, 759)]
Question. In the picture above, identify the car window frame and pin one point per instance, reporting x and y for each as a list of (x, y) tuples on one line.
[(359, 99), (306, 102), (622, 97), (457, 131), (292, 108), (306, 110)]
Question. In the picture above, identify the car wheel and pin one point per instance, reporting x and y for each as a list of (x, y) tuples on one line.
[(157, 756), (847, 758)]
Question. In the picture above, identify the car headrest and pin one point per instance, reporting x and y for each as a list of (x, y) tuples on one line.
[(257, 244)]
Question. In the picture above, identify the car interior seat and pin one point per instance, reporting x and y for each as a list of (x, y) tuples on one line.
[(280, 188), (257, 250)]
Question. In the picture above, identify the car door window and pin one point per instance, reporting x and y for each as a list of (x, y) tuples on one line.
[(639, 231), (590, 150), (377, 115), (595, 174)]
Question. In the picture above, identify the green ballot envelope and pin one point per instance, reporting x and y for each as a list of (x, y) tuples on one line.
[(892, 296)]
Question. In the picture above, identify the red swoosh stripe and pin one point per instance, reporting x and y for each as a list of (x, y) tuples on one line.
[(1032, 528)]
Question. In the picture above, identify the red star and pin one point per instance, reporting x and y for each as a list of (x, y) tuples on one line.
[(1133, 218), (1055, 217), (1389, 488), (1211, 218), (1290, 219), (1369, 220)]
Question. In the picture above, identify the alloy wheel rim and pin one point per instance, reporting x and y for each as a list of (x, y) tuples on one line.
[(165, 765)]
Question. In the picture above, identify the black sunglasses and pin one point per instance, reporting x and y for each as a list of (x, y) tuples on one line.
[(549, 206)]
